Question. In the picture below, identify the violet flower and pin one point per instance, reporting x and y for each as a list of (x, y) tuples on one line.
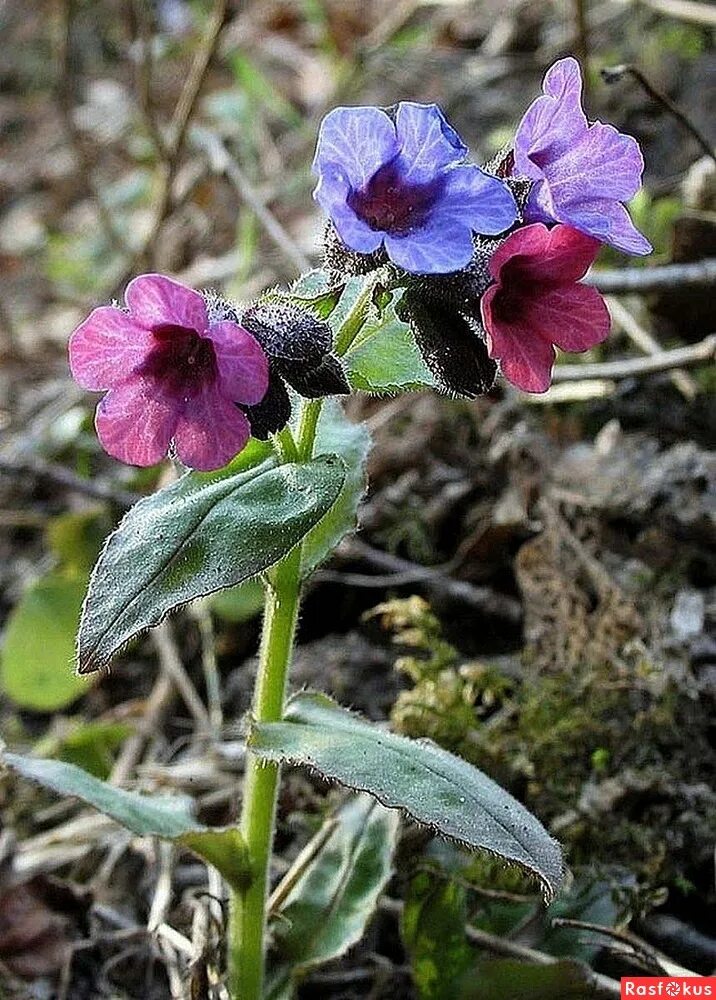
[(401, 181), (537, 303), (172, 375), (582, 172)]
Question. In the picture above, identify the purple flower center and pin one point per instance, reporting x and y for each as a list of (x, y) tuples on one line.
[(181, 362), (388, 204)]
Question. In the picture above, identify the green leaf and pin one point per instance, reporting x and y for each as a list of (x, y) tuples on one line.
[(166, 816), (338, 436), (384, 358), (333, 894), (317, 290), (196, 537), (433, 930), (445, 793), (509, 979), (39, 648)]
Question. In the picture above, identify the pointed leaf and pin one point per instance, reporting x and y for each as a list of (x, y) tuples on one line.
[(318, 290), (433, 787), (196, 537), (166, 816), (334, 893)]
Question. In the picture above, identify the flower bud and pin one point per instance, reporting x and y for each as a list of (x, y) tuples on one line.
[(452, 345)]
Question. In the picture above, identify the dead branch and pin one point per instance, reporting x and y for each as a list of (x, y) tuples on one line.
[(622, 281), (612, 74), (222, 163), (664, 361)]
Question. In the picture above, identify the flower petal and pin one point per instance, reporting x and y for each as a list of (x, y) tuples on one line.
[(106, 347), (352, 144), (560, 255), (608, 221), (243, 366), (332, 195), (526, 358), (210, 431), (476, 199), (574, 317), (135, 424), (428, 143), (600, 163), (434, 248), (552, 122), (155, 300)]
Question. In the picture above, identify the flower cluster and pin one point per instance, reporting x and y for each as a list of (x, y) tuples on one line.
[(489, 260)]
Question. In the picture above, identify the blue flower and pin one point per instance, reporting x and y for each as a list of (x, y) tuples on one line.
[(401, 182), (582, 172)]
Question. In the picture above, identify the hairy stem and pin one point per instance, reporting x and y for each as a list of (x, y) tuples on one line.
[(247, 927), (248, 917), (247, 923)]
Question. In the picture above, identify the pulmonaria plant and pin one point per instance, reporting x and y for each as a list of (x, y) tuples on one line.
[(480, 269)]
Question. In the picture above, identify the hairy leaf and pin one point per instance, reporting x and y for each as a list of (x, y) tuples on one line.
[(195, 537), (334, 888), (433, 787), (166, 816), (317, 290)]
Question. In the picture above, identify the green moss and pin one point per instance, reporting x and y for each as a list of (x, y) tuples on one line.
[(613, 757)]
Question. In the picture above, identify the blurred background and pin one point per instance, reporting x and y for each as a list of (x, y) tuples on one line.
[(534, 584)]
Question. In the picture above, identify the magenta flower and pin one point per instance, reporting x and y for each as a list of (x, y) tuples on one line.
[(582, 172), (172, 375), (536, 302), (400, 181)]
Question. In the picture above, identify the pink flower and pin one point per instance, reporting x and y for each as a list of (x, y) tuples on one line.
[(172, 373), (536, 302)]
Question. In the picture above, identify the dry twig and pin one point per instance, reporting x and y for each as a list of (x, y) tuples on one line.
[(612, 74), (623, 319), (622, 281), (664, 361), (223, 163)]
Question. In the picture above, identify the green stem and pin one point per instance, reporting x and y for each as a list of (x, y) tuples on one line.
[(248, 917), (356, 316), (247, 925), (247, 922)]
